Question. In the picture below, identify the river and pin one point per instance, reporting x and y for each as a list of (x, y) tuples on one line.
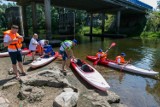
[(134, 90)]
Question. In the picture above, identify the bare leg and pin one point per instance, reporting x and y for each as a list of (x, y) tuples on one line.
[(15, 70), (21, 67), (63, 65), (33, 54)]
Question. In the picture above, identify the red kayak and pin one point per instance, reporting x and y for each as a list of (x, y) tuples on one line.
[(89, 74), (5, 54), (125, 67)]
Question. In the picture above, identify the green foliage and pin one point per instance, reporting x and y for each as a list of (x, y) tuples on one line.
[(152, 28), (86, 30), (158, 4), (150, 35), (108, 21), (3, 21)]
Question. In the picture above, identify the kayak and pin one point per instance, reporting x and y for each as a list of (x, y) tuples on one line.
[(43, 61), (90, 75), (5, 54), (126, 67)]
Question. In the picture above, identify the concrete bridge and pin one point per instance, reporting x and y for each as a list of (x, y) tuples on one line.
[(129, 13)]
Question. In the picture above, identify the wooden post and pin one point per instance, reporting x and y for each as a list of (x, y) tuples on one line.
[(103, 24), (34, 17), (47, 6), (91, 25)]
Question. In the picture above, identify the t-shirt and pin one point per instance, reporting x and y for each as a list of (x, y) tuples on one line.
[(6, 39), (65, 44), (32, 45), (41, 42)]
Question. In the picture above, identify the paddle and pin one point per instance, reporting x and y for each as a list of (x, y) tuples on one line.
[(125, 64), (113, 44)]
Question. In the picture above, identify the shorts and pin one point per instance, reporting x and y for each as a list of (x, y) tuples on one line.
[(64, 55), (15, 56)]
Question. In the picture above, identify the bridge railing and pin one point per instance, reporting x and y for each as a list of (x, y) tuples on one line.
[(141, 4)]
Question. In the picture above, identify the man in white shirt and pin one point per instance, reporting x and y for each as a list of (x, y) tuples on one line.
[(33, 45)]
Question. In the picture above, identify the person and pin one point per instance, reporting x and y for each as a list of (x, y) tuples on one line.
[(66, 51), (101, 55), (40, 46), (120, 59), (48, 51), (33, 45), (13, 41)]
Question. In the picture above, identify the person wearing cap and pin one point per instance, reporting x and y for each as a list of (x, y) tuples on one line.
[(66, 51), (33, 45), (120, 59), (13, 40), (101, 55)]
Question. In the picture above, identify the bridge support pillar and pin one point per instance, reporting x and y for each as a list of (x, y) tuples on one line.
[(24, 17), (91, 26), (118, 21), (34, 19), (47, 6), (103, 24)]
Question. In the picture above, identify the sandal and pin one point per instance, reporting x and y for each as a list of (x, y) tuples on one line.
[(17, 77), (24, 74)]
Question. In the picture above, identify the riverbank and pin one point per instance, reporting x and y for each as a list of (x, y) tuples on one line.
[(42, 87)]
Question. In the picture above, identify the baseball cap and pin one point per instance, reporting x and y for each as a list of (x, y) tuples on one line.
[(75, 41), (123, 54), (100, 50)]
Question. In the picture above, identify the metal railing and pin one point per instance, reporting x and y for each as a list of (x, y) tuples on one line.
[(141, 4)]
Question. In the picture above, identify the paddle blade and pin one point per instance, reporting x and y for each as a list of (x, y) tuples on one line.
[(113, 44)]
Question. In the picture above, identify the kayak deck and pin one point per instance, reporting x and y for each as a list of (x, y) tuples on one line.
[(91, 75), (43, 61)]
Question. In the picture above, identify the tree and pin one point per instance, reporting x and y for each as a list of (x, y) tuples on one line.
[(158, 4)]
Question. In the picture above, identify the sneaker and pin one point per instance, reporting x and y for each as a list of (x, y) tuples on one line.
[(65, 73)]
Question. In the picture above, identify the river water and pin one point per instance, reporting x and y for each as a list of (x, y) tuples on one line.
[(134, 90)]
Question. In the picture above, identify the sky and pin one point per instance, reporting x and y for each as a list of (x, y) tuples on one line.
[(152, 3)]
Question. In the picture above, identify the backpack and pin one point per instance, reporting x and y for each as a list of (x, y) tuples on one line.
[(79, 62)]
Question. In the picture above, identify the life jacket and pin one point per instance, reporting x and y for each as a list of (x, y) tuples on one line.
[(103, 55), (39, 49), (63, 44), (14, 45), (122, 60), (48, 49)]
